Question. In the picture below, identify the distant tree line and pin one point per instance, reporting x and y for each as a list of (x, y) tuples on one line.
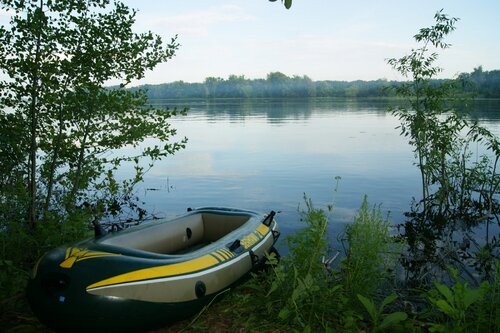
[(276, 84), (485, 83)]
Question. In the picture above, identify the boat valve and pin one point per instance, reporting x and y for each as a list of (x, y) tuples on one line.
[(200, 289)]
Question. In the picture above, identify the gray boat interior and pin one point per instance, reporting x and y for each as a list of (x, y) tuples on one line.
[(179, 236)]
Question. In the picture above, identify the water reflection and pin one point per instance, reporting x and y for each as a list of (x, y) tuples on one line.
[(264, 154), (275, 111)]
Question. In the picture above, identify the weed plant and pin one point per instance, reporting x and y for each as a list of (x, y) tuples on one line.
[(304, 293), (379, 321), (300, 293), (459, 187), (19, 249), (460, 308), (371, 254)]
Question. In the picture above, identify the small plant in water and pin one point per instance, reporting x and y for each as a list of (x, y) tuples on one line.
[(459, 188)]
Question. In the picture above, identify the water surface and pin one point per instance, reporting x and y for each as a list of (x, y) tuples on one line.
[(266, 154)]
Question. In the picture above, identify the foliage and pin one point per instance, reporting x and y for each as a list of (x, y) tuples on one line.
[(297, 289), (371, 254), (9, 285), (278, 85), (300, 288), (236, 86), (466, 309), (485, 84), (306, 293), (459, 189), (317, 299), (59, 56), (379, 321), (287, 3), (63, 131)]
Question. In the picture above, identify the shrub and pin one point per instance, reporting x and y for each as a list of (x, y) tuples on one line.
[(371, 254)]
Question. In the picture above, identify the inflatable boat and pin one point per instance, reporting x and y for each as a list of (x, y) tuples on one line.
[(148, 275)]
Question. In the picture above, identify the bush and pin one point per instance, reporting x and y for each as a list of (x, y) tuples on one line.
[(371, 254), (306, 294)]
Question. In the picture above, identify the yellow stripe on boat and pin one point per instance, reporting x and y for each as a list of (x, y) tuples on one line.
[(218, 256), (159, 271), (262, 229), (227, 252), (222, 254), (74, 254), (249, 240)]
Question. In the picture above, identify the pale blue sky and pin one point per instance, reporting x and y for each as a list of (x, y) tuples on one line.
[(324, 39)]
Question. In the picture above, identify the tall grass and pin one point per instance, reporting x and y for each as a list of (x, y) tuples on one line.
[(302, 292), (299, 293), (371, 255)]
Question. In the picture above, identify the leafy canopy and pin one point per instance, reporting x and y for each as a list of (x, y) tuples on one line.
[(66, 128)]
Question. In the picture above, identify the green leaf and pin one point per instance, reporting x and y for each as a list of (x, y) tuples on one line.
[(369, 306), (471, 296), (393, 319), (446, 308), (284, 314), (288, 4), (275, 285), (437, 328), (388, 300), (445, 291)]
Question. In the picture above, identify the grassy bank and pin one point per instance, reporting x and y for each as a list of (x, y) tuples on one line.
[(361, 292), (315, 290)]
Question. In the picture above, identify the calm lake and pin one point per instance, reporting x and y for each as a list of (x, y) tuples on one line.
[(266, 154)]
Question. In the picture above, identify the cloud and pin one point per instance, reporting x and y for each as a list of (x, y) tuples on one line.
[(199, 23), (322, 57), (331, 43), (195, 164)]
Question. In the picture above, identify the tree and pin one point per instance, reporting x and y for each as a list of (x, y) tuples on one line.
[(458, 191), (66, 125), (425, 100)]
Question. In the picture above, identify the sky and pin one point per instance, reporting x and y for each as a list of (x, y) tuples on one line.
[(323, 39)]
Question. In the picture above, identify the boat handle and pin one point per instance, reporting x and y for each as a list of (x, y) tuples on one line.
[(235, 245), (269, 218)]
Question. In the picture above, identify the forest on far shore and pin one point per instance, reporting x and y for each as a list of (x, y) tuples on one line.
[(485, 84)]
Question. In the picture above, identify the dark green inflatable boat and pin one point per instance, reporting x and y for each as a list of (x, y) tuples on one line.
[(148, 275)]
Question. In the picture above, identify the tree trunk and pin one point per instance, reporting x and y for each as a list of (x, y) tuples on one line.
[(32, 220)]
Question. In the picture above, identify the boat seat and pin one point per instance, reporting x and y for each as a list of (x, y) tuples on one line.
[(180, 235), (216, 226), (166, 238)]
